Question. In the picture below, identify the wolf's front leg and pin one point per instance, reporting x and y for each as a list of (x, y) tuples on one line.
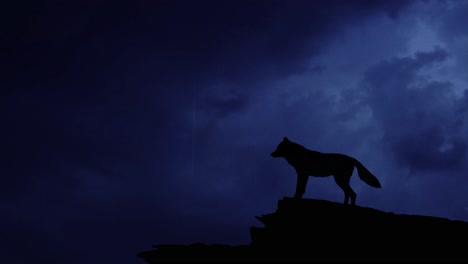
[(301, 185)]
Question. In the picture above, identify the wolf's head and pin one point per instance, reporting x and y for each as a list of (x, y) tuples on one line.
[(282, 149)]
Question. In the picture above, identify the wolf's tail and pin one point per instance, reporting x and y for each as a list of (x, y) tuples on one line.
[(366, 176)]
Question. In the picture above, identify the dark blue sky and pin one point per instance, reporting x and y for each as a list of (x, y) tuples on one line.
[(136, 123)]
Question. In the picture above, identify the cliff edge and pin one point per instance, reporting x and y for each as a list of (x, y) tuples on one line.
[(309, 229)]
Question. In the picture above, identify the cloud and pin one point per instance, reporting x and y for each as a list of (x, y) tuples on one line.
[(155, 121), (417, 113), (269, 39)]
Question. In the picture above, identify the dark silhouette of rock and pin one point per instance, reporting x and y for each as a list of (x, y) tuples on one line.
[(307, 229), (308, 162)]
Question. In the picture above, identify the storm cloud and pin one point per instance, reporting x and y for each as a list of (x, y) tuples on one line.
[(126, 125), (420, 117)]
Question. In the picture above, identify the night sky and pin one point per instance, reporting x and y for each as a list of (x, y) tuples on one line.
[(130, 124)]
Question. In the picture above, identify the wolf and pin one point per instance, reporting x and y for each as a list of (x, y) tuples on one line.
[(308, 162)]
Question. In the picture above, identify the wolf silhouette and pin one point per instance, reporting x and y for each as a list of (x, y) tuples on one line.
[(307, 163)]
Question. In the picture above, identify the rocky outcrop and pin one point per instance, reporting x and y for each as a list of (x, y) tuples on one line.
[(307, 229)]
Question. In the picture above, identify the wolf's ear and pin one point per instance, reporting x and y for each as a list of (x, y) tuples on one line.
[(285, 139)]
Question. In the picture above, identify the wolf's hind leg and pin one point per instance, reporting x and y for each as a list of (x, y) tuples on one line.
[(343, 182)]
